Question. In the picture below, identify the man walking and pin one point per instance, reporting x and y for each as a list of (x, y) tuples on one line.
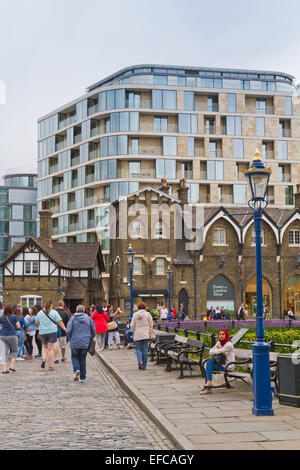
[(62, 341)]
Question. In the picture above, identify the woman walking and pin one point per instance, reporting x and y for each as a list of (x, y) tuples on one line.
[(37, 336), (9, 338), (223, 347), (100, 319), (31, 329), (80, 329), (47, 321), (141, 326), (21, 332), (113, 316)]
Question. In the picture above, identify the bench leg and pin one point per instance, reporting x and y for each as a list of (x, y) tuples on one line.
[(181, 371)]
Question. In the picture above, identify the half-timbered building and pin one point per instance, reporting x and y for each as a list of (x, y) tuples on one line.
[(38, 269)]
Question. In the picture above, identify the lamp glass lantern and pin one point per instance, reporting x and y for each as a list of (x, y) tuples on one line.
[(169, 273), (130, 256), (258, 177)]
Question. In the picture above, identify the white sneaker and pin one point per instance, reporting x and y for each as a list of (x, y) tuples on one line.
[(20, 359), (110, 348), (82, 381), (76, 376)]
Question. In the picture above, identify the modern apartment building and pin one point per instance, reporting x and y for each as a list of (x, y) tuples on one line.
[(18, 209), (149, 122)]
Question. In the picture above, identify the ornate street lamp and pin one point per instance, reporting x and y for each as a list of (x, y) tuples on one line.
[(259, 176), (169, 276), (130, 260)]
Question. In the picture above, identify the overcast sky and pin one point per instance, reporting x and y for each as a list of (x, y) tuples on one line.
[(51, 50)]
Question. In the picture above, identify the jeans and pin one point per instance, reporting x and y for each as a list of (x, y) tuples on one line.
[(212, 365), (20, 336), (78, 357), (141, 349)]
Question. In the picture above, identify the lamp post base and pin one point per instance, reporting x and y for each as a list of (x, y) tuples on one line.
[(262, 393)]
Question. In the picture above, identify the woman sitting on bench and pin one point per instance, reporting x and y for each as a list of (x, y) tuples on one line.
[(224, 353)]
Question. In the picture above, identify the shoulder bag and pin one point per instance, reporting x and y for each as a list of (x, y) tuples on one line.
[(92, 344), (58, 327), (219, 358)]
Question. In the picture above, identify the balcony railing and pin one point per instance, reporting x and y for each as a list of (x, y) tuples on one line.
[(60, 145), (204, 198), (73, 227), (268, 155), (75, 161), (67, 122), (226, 199), (210, 129), (188, 174), (71, 206), (285, 178), (89, 201), (203, 175), (266, 110), (77, 138), (74, 183), (55, 209), (215, 153), (90, 178), (285, 133), (92, 109), (57, 188), (53, 169)]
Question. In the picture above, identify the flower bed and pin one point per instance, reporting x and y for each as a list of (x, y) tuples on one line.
[(230, 324)]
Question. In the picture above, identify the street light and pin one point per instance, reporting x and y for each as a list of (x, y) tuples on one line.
[(169, 275), (259, 176), (130, 260)]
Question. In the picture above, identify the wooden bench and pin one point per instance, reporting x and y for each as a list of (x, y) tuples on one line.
[(244, 359), (183, 353)]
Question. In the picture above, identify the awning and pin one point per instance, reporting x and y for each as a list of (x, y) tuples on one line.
[(150, 293)]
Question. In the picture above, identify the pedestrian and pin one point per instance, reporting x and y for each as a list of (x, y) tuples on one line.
[(291, 314), (241, 313), (225, 347), (80, 329), (163, 313), (113, 333), (37, 336), (8, 337), (47, 322), (104, 308), (62, 339), (142, 328), (218, 315), (182, 312), (21, 332), (31, 329), (1, 309), (100, 319), (174, 313)]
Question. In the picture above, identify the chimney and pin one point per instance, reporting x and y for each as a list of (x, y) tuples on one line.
[(183, 191), (45, 223), (297, 197), (164, 186)]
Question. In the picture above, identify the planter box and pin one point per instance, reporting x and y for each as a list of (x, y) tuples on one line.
[(289, 379)]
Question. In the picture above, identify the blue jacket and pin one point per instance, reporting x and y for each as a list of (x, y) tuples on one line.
[(31, 325), (80, 328)]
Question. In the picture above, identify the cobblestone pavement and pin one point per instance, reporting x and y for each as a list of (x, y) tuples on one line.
[(48, 410)]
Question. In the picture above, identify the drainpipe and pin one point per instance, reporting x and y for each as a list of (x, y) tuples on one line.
[(279, 277)]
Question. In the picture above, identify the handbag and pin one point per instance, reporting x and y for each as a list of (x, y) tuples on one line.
[(219, 358), (92, 345), (112, 325)]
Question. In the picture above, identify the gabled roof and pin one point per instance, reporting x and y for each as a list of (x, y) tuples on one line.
[(65, 255), (147, 189)]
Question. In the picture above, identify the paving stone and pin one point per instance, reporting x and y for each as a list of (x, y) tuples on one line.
[(281, 435), (281, 445), (258, 426)]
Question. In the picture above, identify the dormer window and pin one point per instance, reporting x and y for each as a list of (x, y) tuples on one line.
[(31, 267)]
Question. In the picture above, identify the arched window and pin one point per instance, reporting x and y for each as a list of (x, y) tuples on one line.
[(219, 236)]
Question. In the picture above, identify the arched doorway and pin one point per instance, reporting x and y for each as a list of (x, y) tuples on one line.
[(292, 294), (183, 298), (250, 297), (220, 293)]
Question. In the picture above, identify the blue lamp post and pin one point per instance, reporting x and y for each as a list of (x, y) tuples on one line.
[(259, 176), (169, 275), (130, 260)]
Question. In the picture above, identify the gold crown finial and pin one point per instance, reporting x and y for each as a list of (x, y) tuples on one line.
[(257, 155)]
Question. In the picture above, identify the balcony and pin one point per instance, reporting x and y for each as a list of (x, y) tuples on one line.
[(89, 201), (268, 155), (92, 109), (75, 183), (226, 199), (53, 169), (73, 227), (55, 209), (60, 145), (285, 133), (95, 131), (75, 161), (204, 198), (71, 206), (203, 175), (215, 153), (77, 138), (101, 199), (265, 110), (285, 178), (90, 178), (67, 122), (210, 129), (57, 188), (188, 174)]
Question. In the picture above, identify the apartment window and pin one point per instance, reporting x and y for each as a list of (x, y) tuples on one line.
[(160, 80), (4, 195), (31, 267), (160, 124), (5, 212), (137, 266), (187, 123), (4, 228), (194, 192), (260, 127), (288, 105), (282, 149), (27, 213), (134, 146), (134, 169), (114, 145), (253, 238), (133, 100), (294, 237), (219, 236), (160, 266), (164, 99), (165, 168), (239, 193), (123, 122), (158, 228), (261, 106), (169, 146), (29, 229), (237, 148), (191, 146), (289, 197), (231, 102), (189, 102), (215, 170), (233, 125), (212, 104)]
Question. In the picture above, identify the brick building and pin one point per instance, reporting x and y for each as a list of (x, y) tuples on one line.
[(38, 269), (221, 272)]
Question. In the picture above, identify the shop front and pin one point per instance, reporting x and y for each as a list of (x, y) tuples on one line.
[(220, 293), (250, 297), (292, 294)]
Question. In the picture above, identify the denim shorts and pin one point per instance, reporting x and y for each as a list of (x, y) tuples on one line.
[(49, 338)]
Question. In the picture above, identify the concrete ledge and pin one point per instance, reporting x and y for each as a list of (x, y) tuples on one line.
[(178, 439)]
